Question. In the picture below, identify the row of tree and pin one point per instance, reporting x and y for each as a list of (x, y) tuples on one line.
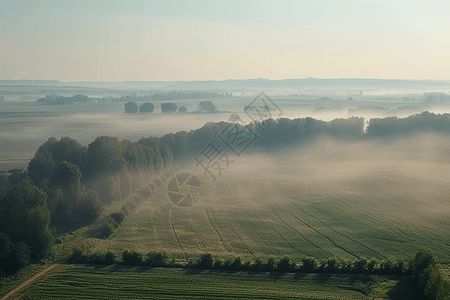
[(426, 275), (271, 133), (131, 107), (78, 179), (268, 134), (158, 96)]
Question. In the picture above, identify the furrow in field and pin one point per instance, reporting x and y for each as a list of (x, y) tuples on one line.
[(224, 245), (290, 232), (297, 227), (377, 222), (182, 225), (317, 226), (175, 234), (237, 233), (224, 232), (207, 235)]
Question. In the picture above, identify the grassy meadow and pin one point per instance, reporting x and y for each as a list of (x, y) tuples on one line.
[(365, 203), (117, 282)]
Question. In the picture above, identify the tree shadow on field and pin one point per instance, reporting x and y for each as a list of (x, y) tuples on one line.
[(404, 290), (300, 276), (194, 271), (120, 268)]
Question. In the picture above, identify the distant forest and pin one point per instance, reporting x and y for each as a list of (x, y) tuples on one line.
[(157, 96), (66, 183)]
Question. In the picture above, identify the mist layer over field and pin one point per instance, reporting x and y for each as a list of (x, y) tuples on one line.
[(370, 199), (25, 126)]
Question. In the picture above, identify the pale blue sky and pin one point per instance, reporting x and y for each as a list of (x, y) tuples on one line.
[(217, 40)]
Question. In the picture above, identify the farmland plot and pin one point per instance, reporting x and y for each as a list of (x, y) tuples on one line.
[(87, 282), (302, 205)]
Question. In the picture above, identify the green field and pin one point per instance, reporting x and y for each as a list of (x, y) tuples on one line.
[(117, 282), (299, 207)]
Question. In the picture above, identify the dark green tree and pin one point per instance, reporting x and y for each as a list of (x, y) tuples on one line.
[(131, 107), (207, 106), (167, 108), (146, 107), (24, 217)]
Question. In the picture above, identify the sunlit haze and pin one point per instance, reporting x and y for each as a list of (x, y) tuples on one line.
[(218, 40)]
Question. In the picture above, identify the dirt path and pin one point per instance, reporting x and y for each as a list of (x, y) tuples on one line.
[(24, 284)]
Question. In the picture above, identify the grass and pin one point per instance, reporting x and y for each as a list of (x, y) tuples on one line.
[(277, 213), (118, 282)]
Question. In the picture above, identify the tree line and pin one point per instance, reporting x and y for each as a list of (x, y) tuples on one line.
[(64, 188), (282, 132), (422, 267), (156, 96), (131, 107)]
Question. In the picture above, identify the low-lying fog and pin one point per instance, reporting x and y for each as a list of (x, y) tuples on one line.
[(24, 127), (404, 181)]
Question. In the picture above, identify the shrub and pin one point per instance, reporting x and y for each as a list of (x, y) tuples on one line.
[(96, 258), (205, 261), (360, 265), (309, 264), (109, 258), (372, 265), (386, 266), (132, 258), (118, 216), (217, 264), (284, 264), (270, 264), (247, 265), (157, 259), (258, 264), (332, 265), (108, 228)]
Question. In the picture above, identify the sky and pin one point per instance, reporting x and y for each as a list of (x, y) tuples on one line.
[(107, 40)]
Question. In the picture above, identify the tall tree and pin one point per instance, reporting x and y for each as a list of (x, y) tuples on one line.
[(131, 107), (24, 217), (146, 107)]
